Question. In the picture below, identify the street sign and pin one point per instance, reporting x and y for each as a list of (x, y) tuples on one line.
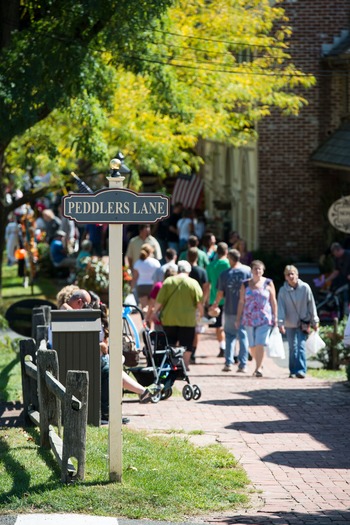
[(339, 214), (116, 206)]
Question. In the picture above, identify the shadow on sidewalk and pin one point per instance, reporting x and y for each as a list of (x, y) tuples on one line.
[(335, 517), (322, 413)]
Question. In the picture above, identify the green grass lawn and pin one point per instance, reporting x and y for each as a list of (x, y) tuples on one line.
[(164, 478), (13, 289), (10, 371), (330, 375)]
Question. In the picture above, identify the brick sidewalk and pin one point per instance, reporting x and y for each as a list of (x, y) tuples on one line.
[(290, 435)]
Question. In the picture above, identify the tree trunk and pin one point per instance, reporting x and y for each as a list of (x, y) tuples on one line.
[(3, 215)]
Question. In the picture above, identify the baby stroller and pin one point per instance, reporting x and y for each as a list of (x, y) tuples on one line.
[(331, 305), (164, 366)]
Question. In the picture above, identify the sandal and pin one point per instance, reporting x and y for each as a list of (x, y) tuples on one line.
[(150, 391), (145, 397)]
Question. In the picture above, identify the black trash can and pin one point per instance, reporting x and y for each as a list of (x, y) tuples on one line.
[(76, 338)]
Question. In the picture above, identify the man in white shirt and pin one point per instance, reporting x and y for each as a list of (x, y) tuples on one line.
[(135, 244)]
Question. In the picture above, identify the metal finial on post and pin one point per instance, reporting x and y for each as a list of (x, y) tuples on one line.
[(115, 165)]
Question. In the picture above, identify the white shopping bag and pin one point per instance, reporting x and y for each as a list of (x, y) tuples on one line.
[(314, 343), (130, 300), (275, 346)]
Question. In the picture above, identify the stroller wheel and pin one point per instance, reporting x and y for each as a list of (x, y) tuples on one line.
[(166, 393), (187, 392), (196, 392), (156, 397)]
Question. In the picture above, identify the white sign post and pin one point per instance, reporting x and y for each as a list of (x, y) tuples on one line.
[(115, 343), (115, 206)]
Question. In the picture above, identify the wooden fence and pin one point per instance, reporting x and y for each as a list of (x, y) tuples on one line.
[(47, 403)]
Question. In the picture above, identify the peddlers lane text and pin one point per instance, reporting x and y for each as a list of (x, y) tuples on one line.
[(116, 206)]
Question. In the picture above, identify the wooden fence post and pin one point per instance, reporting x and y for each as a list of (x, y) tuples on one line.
[(38, 318), (47, 313), (27, 347), (41, 317), (75, 423), (42, 332), (50, 406)]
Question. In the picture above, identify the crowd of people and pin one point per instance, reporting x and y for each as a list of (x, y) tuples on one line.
[(184, 281), (218, 285)]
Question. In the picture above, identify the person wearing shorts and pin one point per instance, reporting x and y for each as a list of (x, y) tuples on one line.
[(258, 335), (178, 300), (142, 274), (257, 311)]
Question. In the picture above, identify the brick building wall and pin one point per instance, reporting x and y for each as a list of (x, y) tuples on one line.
[(294, 195)]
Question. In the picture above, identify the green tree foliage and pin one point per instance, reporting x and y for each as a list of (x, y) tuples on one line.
[(219, 67), (51, 53), (211, 70), (204, 69)]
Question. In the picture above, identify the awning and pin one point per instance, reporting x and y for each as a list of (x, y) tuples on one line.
[(335, 151), (187, 189)]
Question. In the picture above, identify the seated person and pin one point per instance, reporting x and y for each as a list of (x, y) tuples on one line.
[(145, 393), (84, 252), (79, 299), (65, 294), (59, 255)]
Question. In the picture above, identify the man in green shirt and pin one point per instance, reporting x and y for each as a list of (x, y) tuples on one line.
[(214, 269), (178, 300)]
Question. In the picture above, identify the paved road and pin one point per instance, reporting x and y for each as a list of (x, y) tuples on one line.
[(291, 436)]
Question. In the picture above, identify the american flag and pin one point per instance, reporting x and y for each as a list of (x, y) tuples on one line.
[(187, 189), (83, 187)]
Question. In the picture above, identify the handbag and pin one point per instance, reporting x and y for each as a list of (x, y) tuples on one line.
[(130, 352), (176, 356), (305, 326), (213, 311), (275, 345)]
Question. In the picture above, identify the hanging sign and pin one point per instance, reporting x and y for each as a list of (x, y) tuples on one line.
[(339, 214), (116, 206)]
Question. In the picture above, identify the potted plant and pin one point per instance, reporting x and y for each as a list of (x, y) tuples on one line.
[(95, 276), (127, 278)]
